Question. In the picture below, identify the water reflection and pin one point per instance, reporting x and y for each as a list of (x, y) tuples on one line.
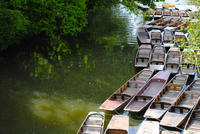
[(57, 96), (60, 110)]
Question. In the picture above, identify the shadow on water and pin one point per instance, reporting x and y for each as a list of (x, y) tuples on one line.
[(38, 97)]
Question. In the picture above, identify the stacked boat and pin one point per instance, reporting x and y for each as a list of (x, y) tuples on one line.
[(163, 90)]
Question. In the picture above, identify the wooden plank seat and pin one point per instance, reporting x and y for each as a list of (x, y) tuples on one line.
[(193, 88), (148, 73), (121, 97), (131, 91), (136, 84), (161, 105), (173, 60), (142, 79), (180, 109), (142, 61), (179, 82), (94, 120)]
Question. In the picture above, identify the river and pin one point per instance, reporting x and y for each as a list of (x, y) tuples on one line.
[(57, 102)]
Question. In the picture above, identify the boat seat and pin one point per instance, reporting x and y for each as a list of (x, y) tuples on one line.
[(180, 109), (94, 121), (121, 97), (91, 129), (143, 98)]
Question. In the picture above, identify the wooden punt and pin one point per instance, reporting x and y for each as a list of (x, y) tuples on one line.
[(122, 95), (188, 67), (119, 124), (149, 127), (143, 36), (156, 37), (157, 60), (93, 123), (175, 14), (158, 14), (193, 123), (166, 13), (178, 113), (142, 58), (147, 93), (179, 37), (166, 97), (169, 132), (173, 60), (168, 38)]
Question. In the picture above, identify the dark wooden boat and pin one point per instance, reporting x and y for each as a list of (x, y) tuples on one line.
[(188, 67), (158, 14), (149, 127), (157, 60), (166, 13), (93, 124), (168, 38), (173, 60), (180, 37), (156, 37), (175, 14), (166, 97), (143, 36), (142, 58), (178, 113), (119, 124), (193, 123), (122, 95), (147, 93)]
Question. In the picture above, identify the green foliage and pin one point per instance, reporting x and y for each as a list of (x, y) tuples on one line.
[(13, 27)]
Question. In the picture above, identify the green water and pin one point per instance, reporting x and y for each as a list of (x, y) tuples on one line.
[(57, 99)]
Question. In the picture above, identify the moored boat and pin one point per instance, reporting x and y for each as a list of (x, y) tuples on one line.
[(157, 60), (147, 93), (149, 127), (166, 13), (188, 65), (175, 14), (173, 60), (168, 38), (178, 113), (175, 24), (122, 95), (166, 97), (193, 124), (142, 58), (158, 14), (143, 36), (93, 123), (119, 124), (156, 37)]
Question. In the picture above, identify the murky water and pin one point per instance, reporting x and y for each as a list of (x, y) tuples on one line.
[(57, 104)]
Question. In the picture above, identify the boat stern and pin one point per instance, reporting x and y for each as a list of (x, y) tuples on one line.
[(172, 119), (110, 105), (154, 113), (157, 67)]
